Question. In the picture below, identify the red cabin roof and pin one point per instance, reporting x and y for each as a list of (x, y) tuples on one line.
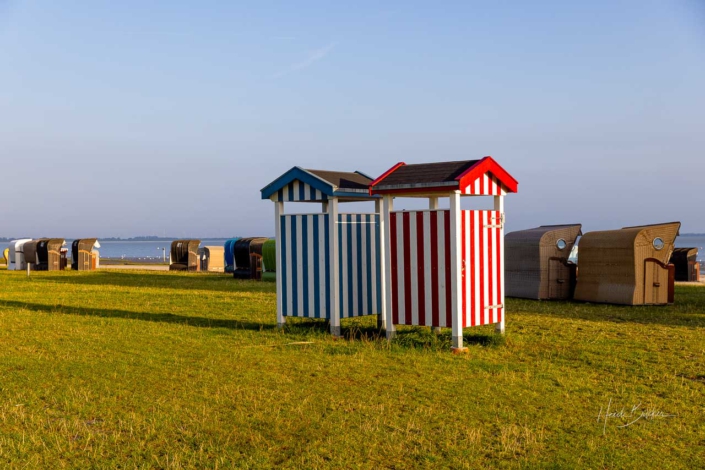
[(473, 177)]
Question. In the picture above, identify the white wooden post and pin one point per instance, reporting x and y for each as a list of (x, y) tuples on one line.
[(381, 316), (334, 275), (433, 205), (499, 206), (387, 207), (278, 212), (455, 273)]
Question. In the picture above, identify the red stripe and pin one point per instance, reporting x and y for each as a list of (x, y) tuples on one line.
[(434, 267), (500, 267), (419, 262), (449, 285), (473, 261), (407, 268), (464, 273), (490, 271), (395, 275), (481, 253)]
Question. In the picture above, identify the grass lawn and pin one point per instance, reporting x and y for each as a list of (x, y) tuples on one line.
[(171, 370)]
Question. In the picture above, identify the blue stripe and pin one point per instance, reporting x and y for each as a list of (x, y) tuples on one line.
[(304, 262), (302, 191), (290, 191), (378, 264), (360, 266), (294, 264), (341, 228), (316, 274), (368, 263), (329, 308), (349, 229), (284, 269), (312, 193), (280, 195)]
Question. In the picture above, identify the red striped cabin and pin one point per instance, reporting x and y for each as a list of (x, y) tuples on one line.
[(444, 268)]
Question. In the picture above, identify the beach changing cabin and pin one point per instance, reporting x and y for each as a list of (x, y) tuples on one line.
[(84, 256), (328, 263), (229, 254), (269, 257), (16, 260), (184, 256), (686, 262), (243, 251), (444, 267), (536, 262), (627, 266), (212, 259), (45, 254)]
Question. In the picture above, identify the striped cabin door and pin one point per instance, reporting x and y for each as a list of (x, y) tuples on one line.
[(359, 265), (420, 257), (305, 271), (482, 267), (421, 268)]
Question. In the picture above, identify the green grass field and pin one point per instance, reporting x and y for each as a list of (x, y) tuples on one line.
[(168, 370)]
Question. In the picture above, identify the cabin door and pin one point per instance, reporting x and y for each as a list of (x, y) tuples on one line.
[(655, 283), (558, 279)]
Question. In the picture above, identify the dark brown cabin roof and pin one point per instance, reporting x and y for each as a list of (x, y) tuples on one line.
[(343, 179), (427, 173)]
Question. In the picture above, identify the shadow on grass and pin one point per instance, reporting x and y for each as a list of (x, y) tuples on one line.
[(688, 310), (191, 281), (201, 322)]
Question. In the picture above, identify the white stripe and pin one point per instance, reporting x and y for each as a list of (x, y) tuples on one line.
[(364, 267), (413, 241), (296, 190), (400, 267), (344, 264), (440, 229), (289, 270), (476, 266), (309, 267), (427, 267), (299, 266), (477, 186), (485, 270), (373, 267), (325, 313), (355, 267), (466, 265)]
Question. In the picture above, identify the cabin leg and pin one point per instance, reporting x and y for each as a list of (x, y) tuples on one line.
[(455, 274), (278, 211), (387, 207), (381, 316), (334, 262)]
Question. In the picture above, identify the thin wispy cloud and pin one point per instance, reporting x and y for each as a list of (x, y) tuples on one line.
[(312, 58)]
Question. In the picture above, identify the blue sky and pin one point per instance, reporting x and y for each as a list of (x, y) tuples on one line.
[(111, 112)]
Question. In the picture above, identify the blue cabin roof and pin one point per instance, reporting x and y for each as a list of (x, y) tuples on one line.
[(301, 185)]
